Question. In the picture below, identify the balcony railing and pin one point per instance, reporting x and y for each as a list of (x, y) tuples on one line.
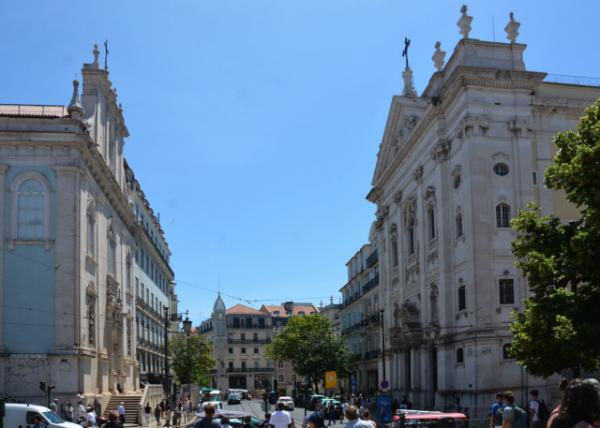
[(249, 369), (253, 326), (249, 341), (370, 355), (372, 259), (371, 284)]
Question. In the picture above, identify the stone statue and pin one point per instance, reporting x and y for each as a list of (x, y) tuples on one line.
[(96, 53), (405, 51), (512, 29), (464, 23), (438, 56)]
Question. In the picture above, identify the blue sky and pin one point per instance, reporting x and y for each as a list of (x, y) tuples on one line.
[(255, 124)]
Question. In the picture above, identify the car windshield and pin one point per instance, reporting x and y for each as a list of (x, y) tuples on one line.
[(53, 417)]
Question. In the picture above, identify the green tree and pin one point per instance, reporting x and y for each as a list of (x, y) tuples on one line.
[(307, 342), (191, 358), (559, 327)]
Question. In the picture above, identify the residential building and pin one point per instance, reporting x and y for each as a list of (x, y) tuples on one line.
[(454, 166), (239, 336), (360, 317), (154, 286), (332, 312), (68, 242), (286, 381)]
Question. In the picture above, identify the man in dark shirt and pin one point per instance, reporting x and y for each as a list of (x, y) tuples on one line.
[(207, 420), (316, 419)]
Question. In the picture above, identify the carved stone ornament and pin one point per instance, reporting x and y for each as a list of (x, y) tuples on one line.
[(512, 28), (96, 53), (464, 22), (409, 122), (398, 197), (519, 126), (110, 231), (418, 173), (441, 150), (430, 194), (410, 212), (438, 57), (90, 290)]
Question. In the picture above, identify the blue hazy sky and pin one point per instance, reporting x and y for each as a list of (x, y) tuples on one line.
[(255, 124)]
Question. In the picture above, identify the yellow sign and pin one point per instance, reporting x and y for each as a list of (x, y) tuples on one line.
[(330, 380)]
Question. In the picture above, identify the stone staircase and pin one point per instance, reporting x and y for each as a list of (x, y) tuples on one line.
[(131, 404)]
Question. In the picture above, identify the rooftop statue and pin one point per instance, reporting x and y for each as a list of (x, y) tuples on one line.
[(464, 23), (512, 29)]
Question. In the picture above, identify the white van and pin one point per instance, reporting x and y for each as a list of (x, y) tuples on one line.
[(21, 416)]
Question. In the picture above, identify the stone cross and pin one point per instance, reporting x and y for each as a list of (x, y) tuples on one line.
[(512, 29), (464, 23), (438, 56), (405, 51), (106, 54)]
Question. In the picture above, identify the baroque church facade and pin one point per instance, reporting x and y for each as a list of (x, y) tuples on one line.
[(69, 238), (455, 165)]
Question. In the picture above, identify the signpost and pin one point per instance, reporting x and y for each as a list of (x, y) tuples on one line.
[(330, 380)]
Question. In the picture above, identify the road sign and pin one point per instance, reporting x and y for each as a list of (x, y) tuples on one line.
[(385, 385), (330, 380)]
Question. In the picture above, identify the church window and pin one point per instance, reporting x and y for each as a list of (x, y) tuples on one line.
[(506, 354), (502, 215), (459, 225), (32, 210), (507, 291), (431, 220), (460, 356), (462, 296), (501, 169)]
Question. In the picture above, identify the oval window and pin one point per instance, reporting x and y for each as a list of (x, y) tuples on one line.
[(501, 169)]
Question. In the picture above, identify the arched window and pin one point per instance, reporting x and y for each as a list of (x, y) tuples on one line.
[(32, 211), (503, 215), (459, 225), (460, 356), (462, 296), (431, 221)]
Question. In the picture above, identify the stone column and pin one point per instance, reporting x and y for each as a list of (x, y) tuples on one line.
[(67, 246), (3, 169)]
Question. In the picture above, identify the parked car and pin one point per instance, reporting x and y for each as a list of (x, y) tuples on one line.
[(23, 414), (234, 399), (287, 402)]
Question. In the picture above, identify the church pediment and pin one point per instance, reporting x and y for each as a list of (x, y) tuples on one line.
[(403, 119)]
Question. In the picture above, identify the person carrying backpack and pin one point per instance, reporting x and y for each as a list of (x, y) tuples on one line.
[(538, 411), (512, 415), (495, 416)]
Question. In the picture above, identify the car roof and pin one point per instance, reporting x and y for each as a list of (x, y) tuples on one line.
[(285, 397), (34, 407)]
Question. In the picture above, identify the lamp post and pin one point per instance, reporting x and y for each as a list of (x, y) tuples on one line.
[(187, 329)]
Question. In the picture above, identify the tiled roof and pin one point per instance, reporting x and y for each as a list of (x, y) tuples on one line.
[(23, 110), (243, 310), (307, 309)]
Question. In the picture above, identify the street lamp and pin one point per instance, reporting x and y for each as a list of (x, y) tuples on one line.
[(187, 324)]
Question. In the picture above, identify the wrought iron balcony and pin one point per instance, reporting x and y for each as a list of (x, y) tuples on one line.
[(371, 284), (372, 259), (249, 341)]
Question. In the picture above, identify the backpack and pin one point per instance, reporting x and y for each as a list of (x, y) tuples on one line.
[(521, 417), (543, 411)]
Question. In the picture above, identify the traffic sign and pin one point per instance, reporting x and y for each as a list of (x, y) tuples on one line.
[(385, 385)]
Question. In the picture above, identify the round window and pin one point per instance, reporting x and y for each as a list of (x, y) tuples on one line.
[(501, 169)]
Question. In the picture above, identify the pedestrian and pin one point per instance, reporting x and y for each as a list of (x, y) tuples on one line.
[(353, 420), (69, 412), (330, 413), (495, 414), (207, 421), (405, 403), (265, 423), (38, 422), (538, 411), (366, 416), (54, 406), (281, 418), (247, 422), (147, 414), (177, 415), (97, 406), (512, 415), (316, 419), (91, 417), (113, 421), (157, 413), (395, 406), (225, 422), (562, 386), (580, 405), (167, 416), (121, 410), (345, 406)]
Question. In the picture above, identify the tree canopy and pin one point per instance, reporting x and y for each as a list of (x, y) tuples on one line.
[(191, 358), (307, 342), (559, 327)]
